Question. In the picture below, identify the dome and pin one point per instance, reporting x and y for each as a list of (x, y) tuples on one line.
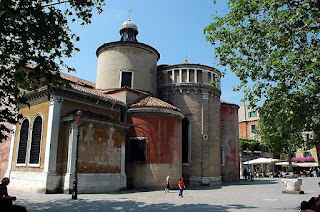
[(128, 24)]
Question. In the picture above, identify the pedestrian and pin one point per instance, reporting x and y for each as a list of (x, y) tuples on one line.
[(245, 174), (167, 184), (181, 187), (6, 200), (251, 174)]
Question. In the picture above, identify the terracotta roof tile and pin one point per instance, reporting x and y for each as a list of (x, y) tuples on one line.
[(67, 77), (228, 103), (93, 91), (77, 80), (115, 90), (152, 102)]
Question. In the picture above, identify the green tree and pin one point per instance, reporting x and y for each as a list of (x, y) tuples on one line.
[(36, 32), (284, 120), (273, 46)]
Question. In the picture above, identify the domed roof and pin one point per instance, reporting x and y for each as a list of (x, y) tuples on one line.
[(129, 24)]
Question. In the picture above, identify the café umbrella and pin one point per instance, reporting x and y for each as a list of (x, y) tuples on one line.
[(261, 161)]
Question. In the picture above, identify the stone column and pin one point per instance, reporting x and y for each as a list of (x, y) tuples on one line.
[(188, 75), (52, 144), (8, 172), (72, 148), (173, 81), (180, 75), (195, 76)]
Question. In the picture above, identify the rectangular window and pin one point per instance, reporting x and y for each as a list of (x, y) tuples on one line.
[(253, 128), (252, 114), (307, 154), (126, 78), (138, 149)]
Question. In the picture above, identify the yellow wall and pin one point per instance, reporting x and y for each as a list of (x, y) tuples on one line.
[(43, 109), (313, 152)]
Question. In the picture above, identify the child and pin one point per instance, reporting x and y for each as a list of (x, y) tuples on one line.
[(181, 187)]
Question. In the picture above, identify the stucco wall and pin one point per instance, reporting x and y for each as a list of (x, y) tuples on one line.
[(163, 135), (43, 109), (131, 57), (230, 143), (313, 152), (245, 129), (62, 152), (98, 153)]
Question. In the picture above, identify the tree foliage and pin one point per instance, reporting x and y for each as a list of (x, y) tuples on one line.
[(273, 46), (248, 143), (36, 32)]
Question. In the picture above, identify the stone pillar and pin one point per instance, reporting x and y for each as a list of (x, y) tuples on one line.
[(173, 81), (71, 158), (52, 144), (8, 172), (188, 75), (195, 76), (180, 75)]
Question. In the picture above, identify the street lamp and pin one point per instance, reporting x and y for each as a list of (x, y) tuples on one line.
[(75, 178)]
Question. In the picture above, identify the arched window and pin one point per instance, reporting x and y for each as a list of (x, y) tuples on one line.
[(186, 134), (24, 133), (36, 141)]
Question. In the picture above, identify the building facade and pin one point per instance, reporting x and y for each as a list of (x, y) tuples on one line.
[(248, 124), (140, 122)]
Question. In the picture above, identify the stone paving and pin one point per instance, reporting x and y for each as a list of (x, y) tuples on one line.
[(263, 194)]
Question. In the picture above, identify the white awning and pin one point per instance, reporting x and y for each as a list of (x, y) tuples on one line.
[(262, 161), (295, 164)]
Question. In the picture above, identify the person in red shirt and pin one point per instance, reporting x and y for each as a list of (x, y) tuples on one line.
[(181, 187)]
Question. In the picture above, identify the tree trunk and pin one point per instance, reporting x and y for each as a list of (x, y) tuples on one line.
[(290, 169)]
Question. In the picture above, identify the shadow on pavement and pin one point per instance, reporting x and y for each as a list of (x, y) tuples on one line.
[(107, 205), (254, 182)]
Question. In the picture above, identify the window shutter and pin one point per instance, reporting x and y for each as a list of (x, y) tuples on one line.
[(23, 142), (36, 140)]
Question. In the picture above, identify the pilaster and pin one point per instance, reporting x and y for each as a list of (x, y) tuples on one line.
[(72, 148), (123, 160), (8, 172), (52, 135)]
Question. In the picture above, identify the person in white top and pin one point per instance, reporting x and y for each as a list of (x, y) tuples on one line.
[(167, 184)]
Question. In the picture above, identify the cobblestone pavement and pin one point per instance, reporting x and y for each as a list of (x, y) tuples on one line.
[(263, 194)]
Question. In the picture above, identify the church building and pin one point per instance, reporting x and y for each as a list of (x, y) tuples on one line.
[(139, 122)]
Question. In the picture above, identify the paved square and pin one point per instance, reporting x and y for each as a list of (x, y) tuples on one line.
[(263, 194)]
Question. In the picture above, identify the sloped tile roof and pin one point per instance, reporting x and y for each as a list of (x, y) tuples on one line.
[(125, 88), (228, 103), (82, 85), (152, 102), (93, 91), (77, 80)]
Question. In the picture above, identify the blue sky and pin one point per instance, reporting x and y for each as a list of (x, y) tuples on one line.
[(173, 27)]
